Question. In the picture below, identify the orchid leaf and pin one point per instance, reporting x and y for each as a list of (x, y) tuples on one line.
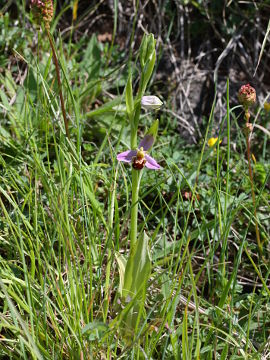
[(147, 48), (107, 107), (148, 70), (129, 97), (151, 45), (121, 261), (153, 130), (138, 268), (143, 50)]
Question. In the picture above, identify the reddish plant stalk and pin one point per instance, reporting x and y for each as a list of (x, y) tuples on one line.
[(43, 12), (58, 80)]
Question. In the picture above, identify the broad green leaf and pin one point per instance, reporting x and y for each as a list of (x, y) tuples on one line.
[(138, 267), (95, 326)]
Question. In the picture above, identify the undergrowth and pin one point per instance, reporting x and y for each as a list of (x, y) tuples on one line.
[(65, 210)]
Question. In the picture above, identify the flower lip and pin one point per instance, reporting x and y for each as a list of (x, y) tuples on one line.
[(151, 163), (151, 102)]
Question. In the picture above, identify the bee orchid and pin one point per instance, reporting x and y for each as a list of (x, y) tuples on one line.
[(139, 158)]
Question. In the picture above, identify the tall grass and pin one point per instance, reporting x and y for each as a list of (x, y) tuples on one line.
[(65, 215)]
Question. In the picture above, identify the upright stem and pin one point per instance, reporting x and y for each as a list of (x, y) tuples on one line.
[(252, 183), (135, 182), (134, 207), (133, 141), (58, 80)]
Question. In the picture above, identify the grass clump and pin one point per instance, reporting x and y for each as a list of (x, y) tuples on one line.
[(65, 218)]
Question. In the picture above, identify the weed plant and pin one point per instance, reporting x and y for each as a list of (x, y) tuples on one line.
[(65, 215)]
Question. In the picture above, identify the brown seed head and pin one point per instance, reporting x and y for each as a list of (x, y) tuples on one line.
[(43, 10), (247, 96)]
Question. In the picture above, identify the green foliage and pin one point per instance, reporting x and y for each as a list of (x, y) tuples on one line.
[(260, 173), (64, 216), (153, 131), (129, 98)]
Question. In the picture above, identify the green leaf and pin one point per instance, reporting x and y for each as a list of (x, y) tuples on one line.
[(95, 326), (129, 97), (122, 262), (153, 131), (138, 268), (151, 45), (147, 48), (148, 69), (107, 107), (5, 101), (143, 50), (91, 59), (260, 173)]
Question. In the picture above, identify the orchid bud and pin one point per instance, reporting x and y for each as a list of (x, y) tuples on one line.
[(147, 49), (151, 102), (247, 96), (151, 46), (143, 51)]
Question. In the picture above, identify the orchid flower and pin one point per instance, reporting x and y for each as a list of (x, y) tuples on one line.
[(139, 158)]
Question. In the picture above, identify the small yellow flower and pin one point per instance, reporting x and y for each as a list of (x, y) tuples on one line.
[(211, 142), (267, 107)]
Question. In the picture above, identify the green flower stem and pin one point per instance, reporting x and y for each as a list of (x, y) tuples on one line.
[(136, 177), (133, 141), (137, 115), (134, 124), (247, 130)]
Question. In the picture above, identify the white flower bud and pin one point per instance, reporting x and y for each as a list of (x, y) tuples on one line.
[(151, 102)]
